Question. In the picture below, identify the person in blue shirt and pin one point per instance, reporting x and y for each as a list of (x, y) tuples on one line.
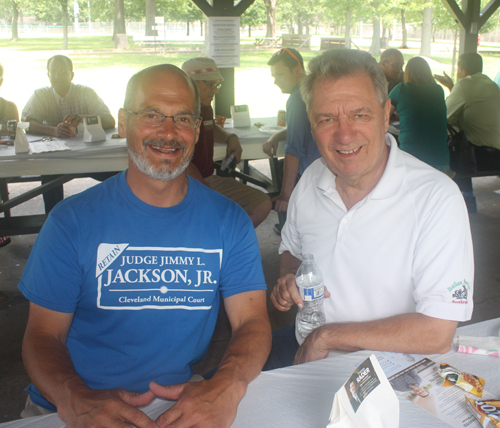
[(125, 300), (287, 68)]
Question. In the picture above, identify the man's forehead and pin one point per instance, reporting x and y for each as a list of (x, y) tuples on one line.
[(59, 63), (395, 57)]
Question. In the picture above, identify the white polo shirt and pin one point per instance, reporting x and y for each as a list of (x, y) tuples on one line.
[(405, 248)]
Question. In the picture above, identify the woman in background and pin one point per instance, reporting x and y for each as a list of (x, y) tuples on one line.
[(421, 106), (8, 111)]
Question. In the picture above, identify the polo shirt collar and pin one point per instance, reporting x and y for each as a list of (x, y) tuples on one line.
[(58, 97), (390, 182)]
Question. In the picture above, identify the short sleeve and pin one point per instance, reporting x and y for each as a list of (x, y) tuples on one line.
[(95, 105), (241, 270), (443, 260), (52, 277), (33, 110), (455, 104), (394, 94), (298, 127)]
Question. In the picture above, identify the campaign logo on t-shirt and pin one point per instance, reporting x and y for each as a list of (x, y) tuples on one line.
[(135, 278)]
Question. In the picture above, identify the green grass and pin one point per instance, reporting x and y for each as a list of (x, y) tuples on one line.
[(55, 43)]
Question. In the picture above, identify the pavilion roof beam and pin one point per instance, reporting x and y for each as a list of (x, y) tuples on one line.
[(454, 9), (223, 7), (487, 11)]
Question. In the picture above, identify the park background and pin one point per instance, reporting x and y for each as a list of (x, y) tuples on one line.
[(33, 31)]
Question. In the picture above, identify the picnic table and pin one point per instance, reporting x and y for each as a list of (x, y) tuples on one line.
[(86, 159)]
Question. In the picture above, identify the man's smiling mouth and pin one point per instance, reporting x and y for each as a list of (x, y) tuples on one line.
[(348, 152)]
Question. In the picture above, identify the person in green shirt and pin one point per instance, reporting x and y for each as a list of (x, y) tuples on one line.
[(421, 106)]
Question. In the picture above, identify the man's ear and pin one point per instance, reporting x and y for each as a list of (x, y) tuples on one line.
[(72, 75), (297, 71), (122, 123)]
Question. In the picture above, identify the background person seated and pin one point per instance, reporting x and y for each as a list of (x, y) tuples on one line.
[(420, 104), (57, 111), (8, 111), (257, 204), (392, 63), (474, 107)]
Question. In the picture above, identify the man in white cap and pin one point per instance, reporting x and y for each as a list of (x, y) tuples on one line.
[(206, 75)]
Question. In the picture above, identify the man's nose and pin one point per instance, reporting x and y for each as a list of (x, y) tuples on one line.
[(168, 127), (345, 132)]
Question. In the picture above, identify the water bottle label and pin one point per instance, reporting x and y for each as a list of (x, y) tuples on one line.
[(310, 294)]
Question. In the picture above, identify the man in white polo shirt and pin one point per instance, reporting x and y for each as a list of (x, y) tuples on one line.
[(390, 234)]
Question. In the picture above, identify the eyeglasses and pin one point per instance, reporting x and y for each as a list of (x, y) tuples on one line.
[(59, 72), (396, 65), (213, 85), (153, 118), (282, 51)]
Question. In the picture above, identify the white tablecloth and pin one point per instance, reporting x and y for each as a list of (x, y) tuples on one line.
[(107, 156), (302, 396)]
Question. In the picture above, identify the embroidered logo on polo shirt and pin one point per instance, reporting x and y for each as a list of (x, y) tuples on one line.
[(460, 291)]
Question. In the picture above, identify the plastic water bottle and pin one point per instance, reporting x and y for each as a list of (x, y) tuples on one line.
[(311, 289)]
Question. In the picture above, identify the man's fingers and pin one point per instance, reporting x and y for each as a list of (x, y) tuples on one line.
[(168, 392), (327, 293), (135, 399), (167, 418)]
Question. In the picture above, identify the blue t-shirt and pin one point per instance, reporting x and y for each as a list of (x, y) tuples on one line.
[(299, 140), (143, 282), (422, 115)]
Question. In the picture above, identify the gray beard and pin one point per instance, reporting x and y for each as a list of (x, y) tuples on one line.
[(163, 172)]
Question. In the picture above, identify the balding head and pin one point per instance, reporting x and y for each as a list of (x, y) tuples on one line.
[(147, 74)]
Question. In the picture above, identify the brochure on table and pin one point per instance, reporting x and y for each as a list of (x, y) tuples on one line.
[(417, 379)]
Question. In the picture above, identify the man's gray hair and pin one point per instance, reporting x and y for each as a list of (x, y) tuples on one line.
[(134, 81), (337, 63)]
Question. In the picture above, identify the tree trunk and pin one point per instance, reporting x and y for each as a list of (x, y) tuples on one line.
[(249, 31), (271, 17), (375, 46), (384, 41), (150, 17), (187, 27), (65, 21), (404, 43), (15, 16), (348, 25), (299, 26), (425, 44), (119, 21), (202, 24)]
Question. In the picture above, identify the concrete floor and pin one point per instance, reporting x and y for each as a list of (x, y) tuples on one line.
[(485, 227)]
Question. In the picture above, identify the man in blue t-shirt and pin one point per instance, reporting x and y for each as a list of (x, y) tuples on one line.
[(125, 301), (287, 68)]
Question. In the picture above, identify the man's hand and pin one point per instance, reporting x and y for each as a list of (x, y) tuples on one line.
[(206, 404), (270, 147), (312, 349), (107, 408), (73, 119), (280, 203), (445, 80), (234, 146), (285, 293), (64, 130)]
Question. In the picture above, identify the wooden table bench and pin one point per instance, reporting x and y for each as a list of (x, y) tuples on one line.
[(331, 43), (295, 41)]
